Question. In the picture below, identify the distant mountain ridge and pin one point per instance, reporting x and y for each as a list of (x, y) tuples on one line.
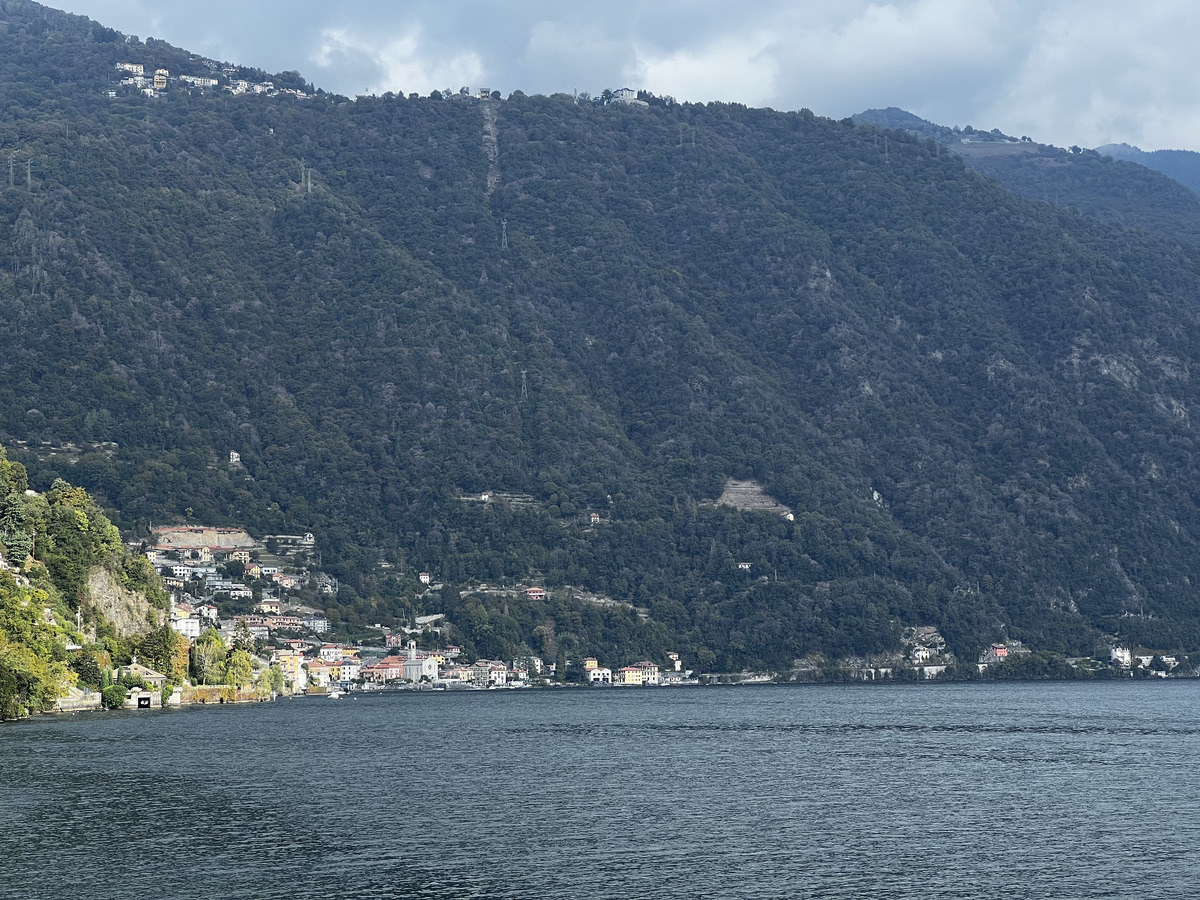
[(1182, 165), (1122, 187)]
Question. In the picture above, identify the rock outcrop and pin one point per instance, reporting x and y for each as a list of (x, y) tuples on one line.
[(129, 611), (749, 496)]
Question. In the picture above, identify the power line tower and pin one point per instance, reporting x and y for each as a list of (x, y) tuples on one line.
[(524, 386), (12, 161), (29, 174), (504, 234)]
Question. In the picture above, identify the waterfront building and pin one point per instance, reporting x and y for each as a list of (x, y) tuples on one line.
[(629, 675)]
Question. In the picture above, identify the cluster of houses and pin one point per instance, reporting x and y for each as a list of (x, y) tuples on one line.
[(194, 564), (1001, 652), (1155, 663), (153, 83), (308, 667), (191, 620), (638, 674)]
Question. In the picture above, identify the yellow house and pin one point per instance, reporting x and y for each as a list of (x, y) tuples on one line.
[(590, 663), (270, 605), (629, 675), (290, 663)]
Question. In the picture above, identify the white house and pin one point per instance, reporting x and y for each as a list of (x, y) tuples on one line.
[(600, 675), (203, 81), (331, 653), (319, 624), (348, 670), (188, 626), (486, 673), (649, 672)]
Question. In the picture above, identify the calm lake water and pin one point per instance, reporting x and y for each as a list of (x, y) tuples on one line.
[(921, 791)]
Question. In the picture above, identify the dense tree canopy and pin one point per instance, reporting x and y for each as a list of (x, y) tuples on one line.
[(977, 407), (48, 544)]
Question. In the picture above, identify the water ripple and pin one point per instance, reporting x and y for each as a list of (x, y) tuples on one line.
[(824, 792)]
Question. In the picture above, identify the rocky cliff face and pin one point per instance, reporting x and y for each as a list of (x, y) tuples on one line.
[(128, 611)]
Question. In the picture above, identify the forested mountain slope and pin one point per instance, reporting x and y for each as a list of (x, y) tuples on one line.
[(977, 407)]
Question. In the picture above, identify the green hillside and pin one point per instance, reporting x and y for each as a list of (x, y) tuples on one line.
[(976, 407), (49, 544)]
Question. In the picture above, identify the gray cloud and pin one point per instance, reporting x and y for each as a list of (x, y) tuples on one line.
[(1064, 71)]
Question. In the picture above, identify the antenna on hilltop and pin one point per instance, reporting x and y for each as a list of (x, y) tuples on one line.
[(524, 386), (504, 234), (29, 174), (12, 159)]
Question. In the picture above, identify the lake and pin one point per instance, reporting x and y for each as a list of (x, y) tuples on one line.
[(856, 791)]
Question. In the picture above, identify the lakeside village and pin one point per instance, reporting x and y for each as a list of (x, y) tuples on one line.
[(204, 567)]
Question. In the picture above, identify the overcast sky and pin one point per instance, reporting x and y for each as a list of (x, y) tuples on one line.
[(1085, 72)]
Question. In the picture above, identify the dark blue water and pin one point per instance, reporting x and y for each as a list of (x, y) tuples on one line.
[(931, 791)]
